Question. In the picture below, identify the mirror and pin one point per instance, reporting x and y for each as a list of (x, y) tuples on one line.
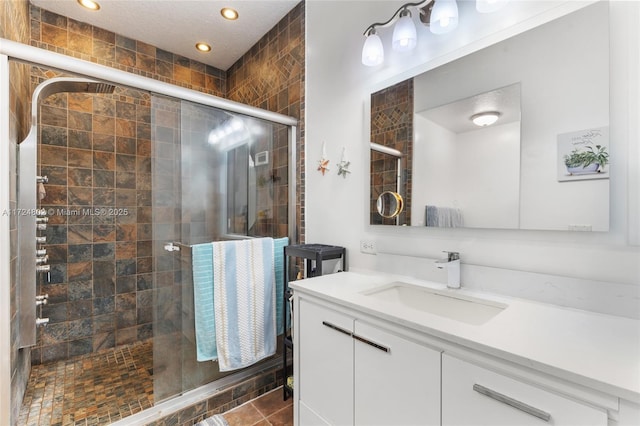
[(550, 88), (389, 204)]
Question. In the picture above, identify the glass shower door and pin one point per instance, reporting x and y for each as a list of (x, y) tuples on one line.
[(217, 175)]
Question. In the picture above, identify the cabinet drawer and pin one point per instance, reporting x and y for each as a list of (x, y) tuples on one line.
[(472, 395)]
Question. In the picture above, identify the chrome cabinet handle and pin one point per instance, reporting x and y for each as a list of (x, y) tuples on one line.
[(370, 343), (355, 336), (336, 328), (536, 412)]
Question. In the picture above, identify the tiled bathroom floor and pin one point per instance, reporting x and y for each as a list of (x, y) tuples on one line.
[(95, 389), (266, 410)]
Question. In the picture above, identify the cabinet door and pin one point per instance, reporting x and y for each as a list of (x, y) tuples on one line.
[(326, 363), (309, 418), (397, 381), (472, 395)]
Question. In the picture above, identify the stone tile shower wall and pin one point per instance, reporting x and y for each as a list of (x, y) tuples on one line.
[(64, 35), (392, 126), (96, 149), (88, 313), (271, 76)]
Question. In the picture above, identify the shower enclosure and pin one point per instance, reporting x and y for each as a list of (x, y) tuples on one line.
[(130, 177), (216, 175)]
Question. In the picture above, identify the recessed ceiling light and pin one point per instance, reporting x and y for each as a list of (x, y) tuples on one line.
[(484, 119), (203, 47), (89, 4), (228, 13)]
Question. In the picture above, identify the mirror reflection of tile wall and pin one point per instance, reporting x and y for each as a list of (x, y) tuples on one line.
[(392, 126)]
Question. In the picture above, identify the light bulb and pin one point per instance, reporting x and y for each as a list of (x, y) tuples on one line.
[(404, 33), (444, 16), (372, 51)]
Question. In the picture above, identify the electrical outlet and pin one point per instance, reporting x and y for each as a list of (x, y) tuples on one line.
[(368, 247)]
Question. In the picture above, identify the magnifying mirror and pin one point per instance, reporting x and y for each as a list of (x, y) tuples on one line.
[(389, 204)]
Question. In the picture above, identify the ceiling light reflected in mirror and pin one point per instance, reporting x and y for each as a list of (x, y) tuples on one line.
[(485, 119)]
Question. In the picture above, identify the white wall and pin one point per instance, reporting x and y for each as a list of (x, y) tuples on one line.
[(477, 172), (598, 271)]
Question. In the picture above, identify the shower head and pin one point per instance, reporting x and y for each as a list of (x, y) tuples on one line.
[(99, 88), (82, 86), (66, 84)]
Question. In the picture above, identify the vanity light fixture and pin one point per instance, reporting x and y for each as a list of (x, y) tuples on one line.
[(229, 13), (444, 16), (441, 16), (485, 119), (203, 47), (404, 33), (89, 4), (372, 51)]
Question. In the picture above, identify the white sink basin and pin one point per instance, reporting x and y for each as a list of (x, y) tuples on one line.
[(460, 307)]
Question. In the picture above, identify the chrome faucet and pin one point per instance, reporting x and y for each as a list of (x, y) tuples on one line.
[(452, 265)]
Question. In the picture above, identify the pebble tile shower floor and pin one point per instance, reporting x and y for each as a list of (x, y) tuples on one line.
[(95, 389)]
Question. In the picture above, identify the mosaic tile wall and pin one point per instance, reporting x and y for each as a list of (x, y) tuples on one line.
[(67, 36), (392, 126), (14, 25), (96, 149), (271, 76)]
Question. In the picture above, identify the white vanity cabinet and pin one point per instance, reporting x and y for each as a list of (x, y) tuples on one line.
[(354, 373), (473, 395), (324, 382), (397, 381), (361, 362)]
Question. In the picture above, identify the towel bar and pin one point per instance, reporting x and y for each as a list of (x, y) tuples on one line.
[(176, 246)]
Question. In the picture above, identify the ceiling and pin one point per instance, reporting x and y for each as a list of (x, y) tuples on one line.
[(177, 25), (455, 116)]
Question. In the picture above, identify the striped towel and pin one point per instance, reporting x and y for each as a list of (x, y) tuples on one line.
[(278, 264), (244, 301), (217, 420), (204, 312)]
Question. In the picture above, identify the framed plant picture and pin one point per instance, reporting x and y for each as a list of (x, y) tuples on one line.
[(583, 155)]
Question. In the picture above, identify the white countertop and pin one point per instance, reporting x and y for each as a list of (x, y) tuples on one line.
[(591, 349)]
